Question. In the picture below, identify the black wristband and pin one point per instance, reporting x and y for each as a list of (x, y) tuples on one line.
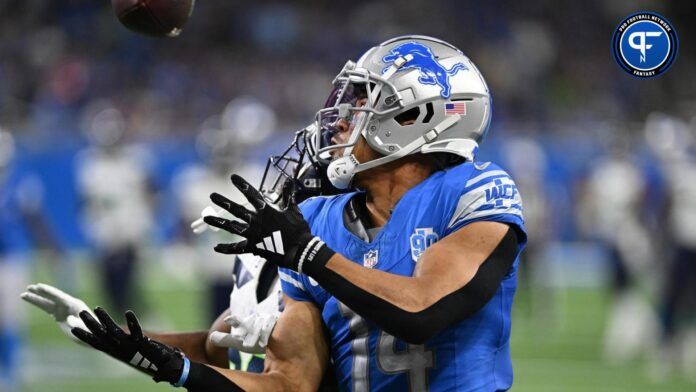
[(314, 257), (203, 378)]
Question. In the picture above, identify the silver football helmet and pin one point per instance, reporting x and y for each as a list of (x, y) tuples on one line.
[(421, 94)]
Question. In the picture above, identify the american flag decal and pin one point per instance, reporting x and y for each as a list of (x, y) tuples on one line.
[(452, 108)]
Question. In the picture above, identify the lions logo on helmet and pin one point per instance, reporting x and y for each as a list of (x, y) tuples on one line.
[(431, 71)]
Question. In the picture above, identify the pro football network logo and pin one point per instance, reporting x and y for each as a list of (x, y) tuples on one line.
[(645, 44), (421, 239)]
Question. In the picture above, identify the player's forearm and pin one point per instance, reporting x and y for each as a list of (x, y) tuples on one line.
[(194, 345), (403, 291), (413, 326), (410, 293)]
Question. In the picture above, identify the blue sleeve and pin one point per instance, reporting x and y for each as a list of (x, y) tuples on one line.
[(311, 207), (488, 195), (15, 237), (293, 285)]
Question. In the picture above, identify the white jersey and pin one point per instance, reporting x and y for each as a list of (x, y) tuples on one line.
[(615, 190), (252, 320), (243, 300), (115, 188), (193, 185), (192, 188), (681, 178)]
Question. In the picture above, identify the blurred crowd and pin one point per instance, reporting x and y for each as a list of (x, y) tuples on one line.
[(545, 63), (111, 142)]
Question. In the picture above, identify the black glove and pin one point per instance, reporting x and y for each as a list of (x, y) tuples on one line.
[(158, 360), (281, 237)]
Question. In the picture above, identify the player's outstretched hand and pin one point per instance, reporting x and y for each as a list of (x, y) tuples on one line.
[(64, 308), (249, 334), (282, 237), (158, 360)]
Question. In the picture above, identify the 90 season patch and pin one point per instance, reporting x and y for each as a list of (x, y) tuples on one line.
[(645, 44)]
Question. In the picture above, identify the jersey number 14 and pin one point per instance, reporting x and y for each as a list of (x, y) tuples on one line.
[(415, 360)]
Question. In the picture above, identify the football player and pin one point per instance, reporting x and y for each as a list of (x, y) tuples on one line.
[(407, 283), (612, 211), (115, 189), (13, 265), (672, 141), (23, 227), (224, 146)]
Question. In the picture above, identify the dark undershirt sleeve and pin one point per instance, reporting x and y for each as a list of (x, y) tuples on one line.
[(203, 378), (418, 327)]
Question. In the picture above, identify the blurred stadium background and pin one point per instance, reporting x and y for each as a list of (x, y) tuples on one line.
[(111, 143)]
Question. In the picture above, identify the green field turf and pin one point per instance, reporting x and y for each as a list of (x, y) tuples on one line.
[(558, 352)]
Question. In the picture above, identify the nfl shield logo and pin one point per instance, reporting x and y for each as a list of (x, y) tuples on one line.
[(370, 258)]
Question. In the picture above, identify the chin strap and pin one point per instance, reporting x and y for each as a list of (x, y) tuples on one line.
[(341, 171)]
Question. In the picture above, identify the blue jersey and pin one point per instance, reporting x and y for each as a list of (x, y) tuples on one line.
[(472, 355), (14, 236)]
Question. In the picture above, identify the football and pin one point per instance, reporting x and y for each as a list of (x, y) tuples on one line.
[(155, 18)]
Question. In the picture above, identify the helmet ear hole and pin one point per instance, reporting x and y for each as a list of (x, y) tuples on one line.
[(429, 112), (408, 117)]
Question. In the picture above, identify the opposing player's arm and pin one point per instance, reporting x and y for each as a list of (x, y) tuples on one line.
[(296, 357), (296, 360), (197, 345), (454, 279), (66, 310)]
